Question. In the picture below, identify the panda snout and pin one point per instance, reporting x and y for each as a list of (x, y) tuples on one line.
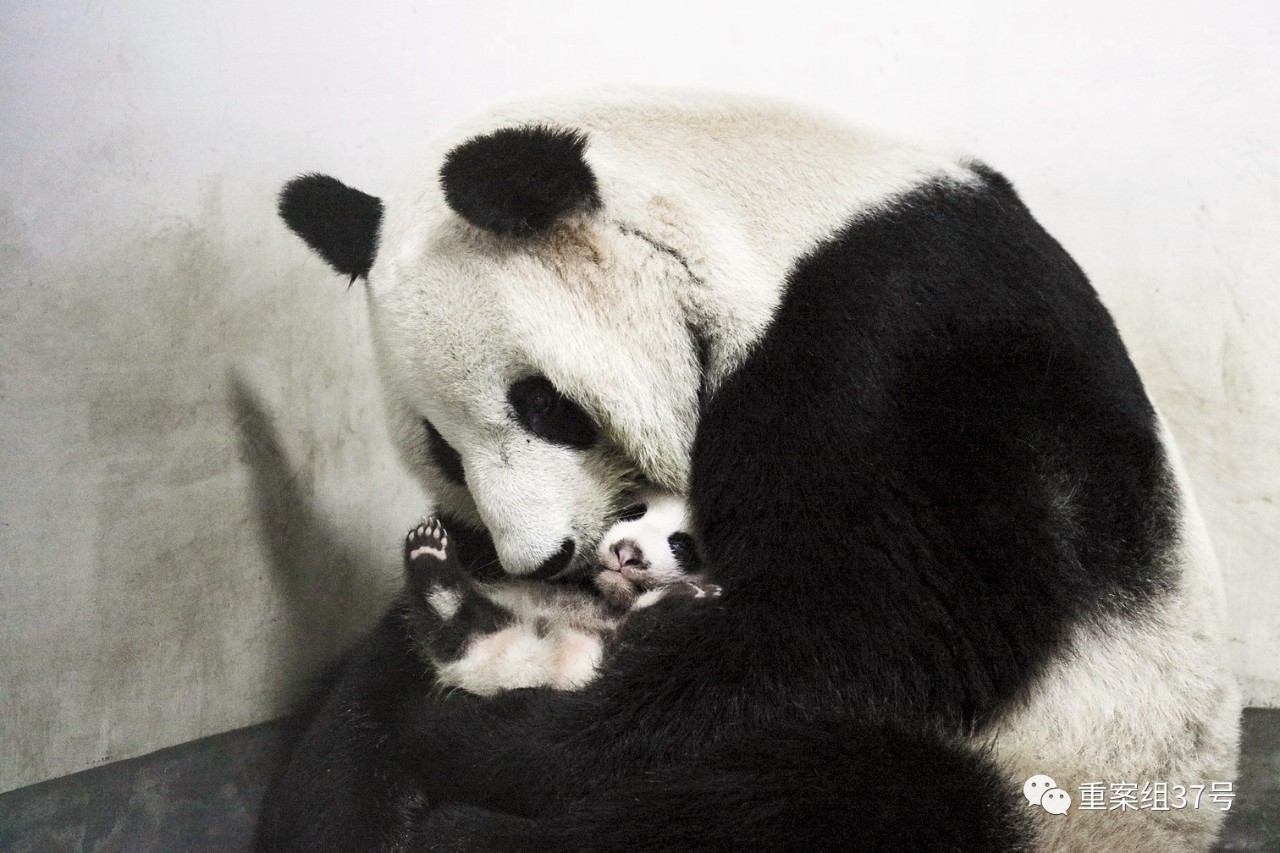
[(628, 554)]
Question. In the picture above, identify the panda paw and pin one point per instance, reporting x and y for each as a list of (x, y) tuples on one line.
[(428, 561), (696, 587), (429, 541), (699, 587)]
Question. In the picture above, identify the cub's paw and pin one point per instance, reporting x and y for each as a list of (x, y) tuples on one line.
[(698, 586), (431, 566), (692, 587), (429, 541)]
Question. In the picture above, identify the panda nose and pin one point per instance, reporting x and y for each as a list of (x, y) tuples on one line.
[(628, 553)]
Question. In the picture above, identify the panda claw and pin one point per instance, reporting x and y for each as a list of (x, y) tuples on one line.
[(427, 541), (428, 561)]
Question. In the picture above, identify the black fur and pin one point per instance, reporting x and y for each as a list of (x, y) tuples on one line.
[(349, 784), (633, 512), (550, 415), (824, 786), (936, 460), (685, 551), (473, 549), (339, 222), (442, 453), (985, 470), (519, 181)]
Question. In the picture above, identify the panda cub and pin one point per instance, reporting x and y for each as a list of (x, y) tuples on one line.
[(488, 637)]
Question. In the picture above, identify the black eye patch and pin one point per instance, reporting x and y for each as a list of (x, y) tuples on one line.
[(550, 415), (685, 551), (633, 512), (443, 454)]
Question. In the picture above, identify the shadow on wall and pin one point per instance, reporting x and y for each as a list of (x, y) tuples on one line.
[(205, 418), (323, 584)]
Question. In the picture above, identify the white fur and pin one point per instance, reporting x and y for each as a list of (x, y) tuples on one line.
[(517, 656), (648, 598), (444, 601)]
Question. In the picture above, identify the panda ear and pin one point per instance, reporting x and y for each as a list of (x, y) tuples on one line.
[(519, 181), (339, 222)]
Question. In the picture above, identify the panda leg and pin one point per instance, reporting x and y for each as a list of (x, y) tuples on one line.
[(446, 609)]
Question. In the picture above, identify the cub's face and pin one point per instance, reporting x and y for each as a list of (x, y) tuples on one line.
[(648, 548)]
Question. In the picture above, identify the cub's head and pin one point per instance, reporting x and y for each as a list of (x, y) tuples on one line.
[(650, 547), (541, 350)]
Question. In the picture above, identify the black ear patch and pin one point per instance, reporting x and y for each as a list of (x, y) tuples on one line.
[(519, 180), (339, 222)]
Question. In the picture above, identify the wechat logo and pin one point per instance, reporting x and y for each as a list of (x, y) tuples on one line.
[(1040, 790)]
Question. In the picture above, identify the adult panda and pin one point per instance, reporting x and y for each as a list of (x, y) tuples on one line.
[(956, 545)]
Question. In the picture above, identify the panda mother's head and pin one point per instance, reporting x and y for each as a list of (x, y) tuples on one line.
[(539, 350)]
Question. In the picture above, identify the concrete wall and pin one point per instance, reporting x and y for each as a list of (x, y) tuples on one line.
[(199, 506)]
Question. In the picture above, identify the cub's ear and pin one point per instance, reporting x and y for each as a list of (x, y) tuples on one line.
[(339, 222), (519, 181)]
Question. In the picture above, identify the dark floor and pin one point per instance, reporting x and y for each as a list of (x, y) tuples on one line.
[(201, 795), (204, 796)]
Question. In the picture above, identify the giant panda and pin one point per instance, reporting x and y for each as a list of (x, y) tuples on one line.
[(955, 540)]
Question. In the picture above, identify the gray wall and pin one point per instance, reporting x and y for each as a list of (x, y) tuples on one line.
[(198, 505)]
